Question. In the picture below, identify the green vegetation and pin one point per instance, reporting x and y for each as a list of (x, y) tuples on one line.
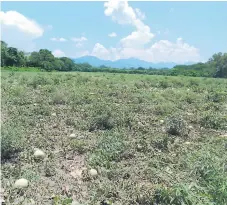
[(45, 61), (152, 139)]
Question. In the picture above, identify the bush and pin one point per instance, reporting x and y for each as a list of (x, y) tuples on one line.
[(11, 142), (103, 121), (177, 126)]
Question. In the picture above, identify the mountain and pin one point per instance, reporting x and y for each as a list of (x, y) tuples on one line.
[(123, 63)]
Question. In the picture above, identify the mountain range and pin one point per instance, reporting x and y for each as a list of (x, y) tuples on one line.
[(124, 63)]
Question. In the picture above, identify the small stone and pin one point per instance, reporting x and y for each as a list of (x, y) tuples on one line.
[(187, 143), (73, 135), (161, 121), (190, 127), (39, 154), (139, 147), (55, 125), (21, 183), (93, 172), (54, 114)]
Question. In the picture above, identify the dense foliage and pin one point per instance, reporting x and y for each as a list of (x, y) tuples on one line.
[(45, 60)]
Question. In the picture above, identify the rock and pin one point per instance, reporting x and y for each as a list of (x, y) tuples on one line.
[(139, 147), (190, 127), (73, 135), (55, 125), (21, 183), (187, 143), (93, 172), (54, 114), (161, 121), (39, 154)]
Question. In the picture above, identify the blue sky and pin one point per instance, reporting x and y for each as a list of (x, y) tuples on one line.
[(151, 31)]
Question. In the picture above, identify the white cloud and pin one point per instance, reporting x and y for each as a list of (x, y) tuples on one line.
[(81, 39), (161, 51), (58, 53), (58, 39), (113, 34), (24, 24), (178, 51), (140, 14), (101, 52), (122, 13), (137, 44), (19, 31)]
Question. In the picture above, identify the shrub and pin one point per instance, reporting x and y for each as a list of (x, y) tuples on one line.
[(11, 142), (176, 125), (103, 121)]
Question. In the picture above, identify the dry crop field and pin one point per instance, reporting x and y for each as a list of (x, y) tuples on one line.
[(99, 138)]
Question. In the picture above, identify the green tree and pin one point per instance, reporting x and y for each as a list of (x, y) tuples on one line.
[(4, 54), (34, 59), (46, 59), (219, 61), (68, 64), (12, 57)]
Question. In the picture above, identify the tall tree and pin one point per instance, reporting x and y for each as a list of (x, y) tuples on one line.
[(4, 54)]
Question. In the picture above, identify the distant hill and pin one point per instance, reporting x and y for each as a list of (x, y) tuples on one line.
[(123, 63)]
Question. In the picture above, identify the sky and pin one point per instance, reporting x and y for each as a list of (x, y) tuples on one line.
[(177, 32)]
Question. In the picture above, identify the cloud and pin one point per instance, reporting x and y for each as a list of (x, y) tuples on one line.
[(122, 13), (101, 52), (24, 24), (58, 53), (113, 34), (178, 51), (160, 51), (140, 14), (19, 31), (58, 39), (81, 39)]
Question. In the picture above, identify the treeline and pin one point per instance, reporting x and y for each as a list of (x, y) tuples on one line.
[(45, 60)]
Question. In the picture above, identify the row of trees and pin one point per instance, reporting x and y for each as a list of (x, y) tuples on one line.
[(45, 60)]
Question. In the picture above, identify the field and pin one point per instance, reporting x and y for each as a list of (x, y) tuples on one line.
[(153, 140)]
